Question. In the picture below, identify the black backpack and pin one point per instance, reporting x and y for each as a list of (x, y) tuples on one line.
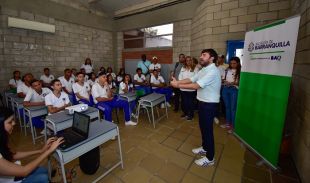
[(90, 161)]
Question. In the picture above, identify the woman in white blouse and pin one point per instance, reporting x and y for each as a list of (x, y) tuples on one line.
[(187, 95), (87, 66)]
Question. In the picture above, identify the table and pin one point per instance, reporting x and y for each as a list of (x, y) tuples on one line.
[(7, 98), (17, 104), (31, 112), (151, 101), (100, 131), (62, 120), (130, 96)]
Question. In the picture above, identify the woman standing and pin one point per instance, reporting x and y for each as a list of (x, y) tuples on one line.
[(87, 66), (187, 95), (10, 171), (230, 83)]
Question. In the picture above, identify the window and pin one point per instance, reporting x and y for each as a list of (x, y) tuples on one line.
[(158, 36)]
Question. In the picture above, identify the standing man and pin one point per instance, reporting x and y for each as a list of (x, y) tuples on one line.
[(208, 84), (177, 69), (144, 65)]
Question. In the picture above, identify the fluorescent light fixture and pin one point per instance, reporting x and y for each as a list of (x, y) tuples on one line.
[(30, 25)]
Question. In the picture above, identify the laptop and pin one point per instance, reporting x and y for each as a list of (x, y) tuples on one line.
[(78, 132)]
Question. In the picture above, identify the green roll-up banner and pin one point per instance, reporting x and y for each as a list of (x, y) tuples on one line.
[(267, 65)]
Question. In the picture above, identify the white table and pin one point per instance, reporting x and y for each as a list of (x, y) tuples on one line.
[(100, 131), (63, 120), (150, 101), (31, 112)]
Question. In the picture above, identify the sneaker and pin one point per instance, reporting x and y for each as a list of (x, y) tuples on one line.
[(183, 116), (162, 105), (204, 161), (216, 120), (199, 150), (48, 132), (189, 118), (131, 123), (168, 105), (133, 115), (225, 126), (113, 138)]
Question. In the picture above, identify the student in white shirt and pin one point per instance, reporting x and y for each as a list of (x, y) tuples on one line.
[(23, 88), (73, 73), (159, 86), (111, 83), (81, 90), (86, 76), (92, 80), (102, 69), (15, 81), (208, 84), (57, 100), (120, 76), (155, 65), (187, 95), (67, 82), (125, 87), (36, 97), (110, 71), (87, 66), (230, 92), (141, 82), (221, 65), (9, 168), (105, 101), (46, 78)]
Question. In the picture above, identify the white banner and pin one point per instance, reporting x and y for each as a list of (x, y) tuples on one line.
[(270, 50)]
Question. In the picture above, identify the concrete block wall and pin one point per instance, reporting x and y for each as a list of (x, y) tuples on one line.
[(217, 21), (181, 38), (31, 51), (298, 113)]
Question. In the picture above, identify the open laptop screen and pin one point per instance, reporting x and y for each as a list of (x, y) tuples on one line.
[(81, 123)]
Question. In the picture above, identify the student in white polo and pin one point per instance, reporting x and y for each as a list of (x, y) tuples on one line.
[(46, 78), (57, 100), (155, 65), (81, 90), (67, 82), (208, 84), (23, 88), (15, 81)]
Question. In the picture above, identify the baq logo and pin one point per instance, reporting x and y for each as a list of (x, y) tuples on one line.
[(251, 47)]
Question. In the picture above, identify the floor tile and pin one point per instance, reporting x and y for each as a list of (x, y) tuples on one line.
[(191, 178), (223, 176), (152, 163), (171, 173), (172, 143), (256, 174)]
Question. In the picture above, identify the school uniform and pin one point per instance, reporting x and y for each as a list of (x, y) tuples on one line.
[(209, 80), (91, 82), (88, 68), (166, 91), (14, 82), (122, 87), (187, 95), (52, 100), (113, 75), (68, 85), (142, 78), (119, 79), (47, 79), (33, 96), (230, 95), (84, 92), (107, 106), (154, 66), (23, 88)]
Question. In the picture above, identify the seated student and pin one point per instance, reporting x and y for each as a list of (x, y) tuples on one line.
[(104, 99), (35, 97), (92, 80), (47, 77), (159, 86), (120, 76), (23, 88), (155, 65), (82, 70), (57, 100), (102, 69), (67, 82), (140, 81), (125, 87), (73, 71), (15, 81), (81, 90), (10, 167), (110, 71), (111, 83)]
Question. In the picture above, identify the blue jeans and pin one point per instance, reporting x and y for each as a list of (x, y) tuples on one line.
[(115, 103), (89, 103), (165, 91), (230, 95), (39, 175)]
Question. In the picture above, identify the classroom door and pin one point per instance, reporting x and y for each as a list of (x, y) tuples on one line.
[(234, 49)]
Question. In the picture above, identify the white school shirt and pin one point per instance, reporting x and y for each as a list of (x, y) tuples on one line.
[(99, 91), (67, 84), (23, 88), (54, 101), (112, 84), (122, 87), (209, 80), (47, 79), (119, 79), (91, 82), (230, 75), (154, 66), (81, 90), (88, 68), (159, 80), (33, 96), (139, 79), (15, 83), (113, 75), (186, 74), (8, 179)]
